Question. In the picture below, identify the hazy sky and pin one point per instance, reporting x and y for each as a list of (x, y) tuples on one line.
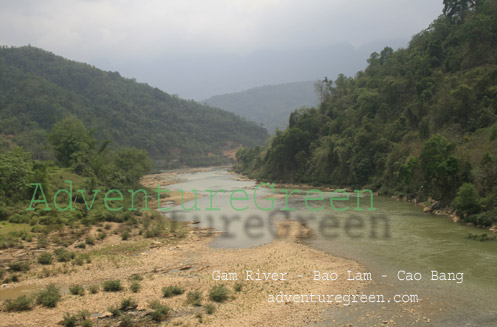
[(198, 48)]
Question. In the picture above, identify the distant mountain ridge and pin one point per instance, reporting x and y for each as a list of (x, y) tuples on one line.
[(38, 88), (269, 105)]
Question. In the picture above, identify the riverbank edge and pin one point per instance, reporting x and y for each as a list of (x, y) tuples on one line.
[(435, 207)]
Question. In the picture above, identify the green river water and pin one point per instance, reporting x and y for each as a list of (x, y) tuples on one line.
[(415, 242)]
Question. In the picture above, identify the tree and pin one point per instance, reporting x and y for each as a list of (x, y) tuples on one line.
[(70, 140), (467, 200), (15, 174), (457, 10), (127, 166)]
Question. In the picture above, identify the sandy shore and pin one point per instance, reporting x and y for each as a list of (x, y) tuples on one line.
[(190, 264)]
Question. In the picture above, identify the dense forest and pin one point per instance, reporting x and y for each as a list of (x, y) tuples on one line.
[(39, 88), (269, 105), (418, 122)]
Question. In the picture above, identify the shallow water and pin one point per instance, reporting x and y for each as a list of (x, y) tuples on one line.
[(403, 238), (414, 242)]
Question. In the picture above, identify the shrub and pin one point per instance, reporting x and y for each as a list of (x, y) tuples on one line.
[(42, 243), (93, 289), (19, 266), (128, 304), (84, 315), (69, 320), (194, 298), (90, 240), (160, 311), (218, 293), (77, 290), (12, 279), (238, 287), (112, 286), (136, 277), (81, 245), (63, 255), (493, 133), (126, 321), (210, 308), (135, 287), (154, 231), (114, 310), (22, 303), (45, 258), (101, 235), (49, 297), (125, 235), (86, 323), (467, 200), (171, 291)]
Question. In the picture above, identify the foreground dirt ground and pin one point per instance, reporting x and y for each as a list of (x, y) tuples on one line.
[(189, 264)]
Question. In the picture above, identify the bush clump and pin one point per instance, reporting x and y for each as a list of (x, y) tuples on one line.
[(160, 311), (218, 293), (135, 287), (136, 277), (90, 240), (69, 320), (171, 291), (77, 290), (112, 286), (63, 255), (94, 289), (49, 297), (128, 304), (210, 308), (194, 298), (19, 266), (238, 287), (22, 303), (45, 258)]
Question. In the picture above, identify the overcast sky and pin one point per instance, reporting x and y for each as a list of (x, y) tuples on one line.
[(199, 48)]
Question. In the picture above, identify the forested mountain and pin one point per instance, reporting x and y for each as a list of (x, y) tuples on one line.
[(417, 122), (38, 88), (269, 105)]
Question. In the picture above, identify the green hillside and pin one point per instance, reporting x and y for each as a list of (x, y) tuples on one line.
[(269, 105), (38, 88), (418, 122)]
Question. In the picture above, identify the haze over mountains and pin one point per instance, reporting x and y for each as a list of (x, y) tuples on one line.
[(269, 105), (39, 88), (200, 76)]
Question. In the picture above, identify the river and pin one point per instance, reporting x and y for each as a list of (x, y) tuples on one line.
[(397, 236)]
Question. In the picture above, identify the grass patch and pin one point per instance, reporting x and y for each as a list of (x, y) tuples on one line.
[(22, 303), (77, 290), (194, 298), (136, 277), (19, 266), (218, 293), (135, 287), (127, 248), (94, 289), (210, 308), (90, 240), (128, 304), (238, 287), (63, 255), (112, 286), (159, 311), (171, 291), (46, 258)]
